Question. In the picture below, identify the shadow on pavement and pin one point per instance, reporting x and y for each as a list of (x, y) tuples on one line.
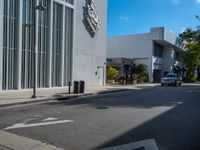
[(177, 129), (146, 98)]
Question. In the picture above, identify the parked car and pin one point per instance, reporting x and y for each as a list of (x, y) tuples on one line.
[(171, 79)]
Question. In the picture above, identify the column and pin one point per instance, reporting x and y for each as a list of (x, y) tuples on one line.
[(1, 42), (63, 46), (72, 73), (36, 44), (19, 43), (50, 12)]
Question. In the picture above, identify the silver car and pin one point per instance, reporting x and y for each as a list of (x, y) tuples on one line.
[(171, 79)]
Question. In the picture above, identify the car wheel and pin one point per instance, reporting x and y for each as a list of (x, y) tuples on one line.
[(162, 84)]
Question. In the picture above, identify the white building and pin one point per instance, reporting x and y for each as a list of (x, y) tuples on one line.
[(69, 43), (159, 50)]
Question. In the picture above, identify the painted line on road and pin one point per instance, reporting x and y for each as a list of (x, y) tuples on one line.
[(50, 119), (23, 125), (146, 144)]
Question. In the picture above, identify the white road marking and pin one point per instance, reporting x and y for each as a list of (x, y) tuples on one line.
[(38, 115), (23, 125), (50, 119), (146, 144)]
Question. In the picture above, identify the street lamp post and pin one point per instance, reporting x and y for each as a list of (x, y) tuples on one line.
[(39, 7)]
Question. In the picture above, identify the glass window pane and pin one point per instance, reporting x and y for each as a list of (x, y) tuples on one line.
[(57, 45), (27, 45), (158, 50), (68, 45), (10, 45)]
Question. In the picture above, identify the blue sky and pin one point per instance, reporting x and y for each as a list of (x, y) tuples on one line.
[(138, 16)]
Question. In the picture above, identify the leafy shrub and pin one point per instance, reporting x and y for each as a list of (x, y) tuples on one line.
[(121, 78), (140, 77), (145, 77), (112, 73), (190, 78), (135, 77), (140, 69)]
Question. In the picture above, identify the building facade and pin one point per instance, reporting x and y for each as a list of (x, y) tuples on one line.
[(159, 51), (68, 46), (120, 64)]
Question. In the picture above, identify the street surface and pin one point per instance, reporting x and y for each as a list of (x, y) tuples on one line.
[(167, 116)]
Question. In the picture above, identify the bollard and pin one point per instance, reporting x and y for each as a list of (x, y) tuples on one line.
[(69, 87)]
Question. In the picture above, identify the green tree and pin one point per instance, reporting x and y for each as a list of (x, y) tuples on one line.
[(112, 73), (140, 69), (192, 55), (188, 36)]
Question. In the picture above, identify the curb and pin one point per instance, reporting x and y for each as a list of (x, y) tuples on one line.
[(64, 98), (38, 101), (114, 91)]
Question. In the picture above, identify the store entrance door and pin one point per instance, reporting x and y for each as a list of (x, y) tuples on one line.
[(157, 75)]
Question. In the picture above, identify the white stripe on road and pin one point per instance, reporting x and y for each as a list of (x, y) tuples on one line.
[(23, 125), (146, 144), (50, 119)]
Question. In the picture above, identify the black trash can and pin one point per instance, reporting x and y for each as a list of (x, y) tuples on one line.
[(76, 87), (82, 87)]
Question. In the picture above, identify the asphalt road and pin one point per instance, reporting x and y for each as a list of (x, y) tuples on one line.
[(169, 115)]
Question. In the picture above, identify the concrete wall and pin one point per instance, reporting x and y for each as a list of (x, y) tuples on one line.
[(173, 39), (157, 33), (89, 52), (131, 46), (137, 46), (162, 34)]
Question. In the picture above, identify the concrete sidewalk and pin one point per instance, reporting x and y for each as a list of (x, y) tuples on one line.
[(8, 98), (11, 141)]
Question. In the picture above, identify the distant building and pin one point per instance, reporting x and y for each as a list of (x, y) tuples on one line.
[(159, 51), (70, 43)]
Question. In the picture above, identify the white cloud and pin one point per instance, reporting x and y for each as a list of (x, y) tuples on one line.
[(124, 18), (198, 1)]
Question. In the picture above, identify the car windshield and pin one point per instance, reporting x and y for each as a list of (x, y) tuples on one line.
[(171, 75)]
